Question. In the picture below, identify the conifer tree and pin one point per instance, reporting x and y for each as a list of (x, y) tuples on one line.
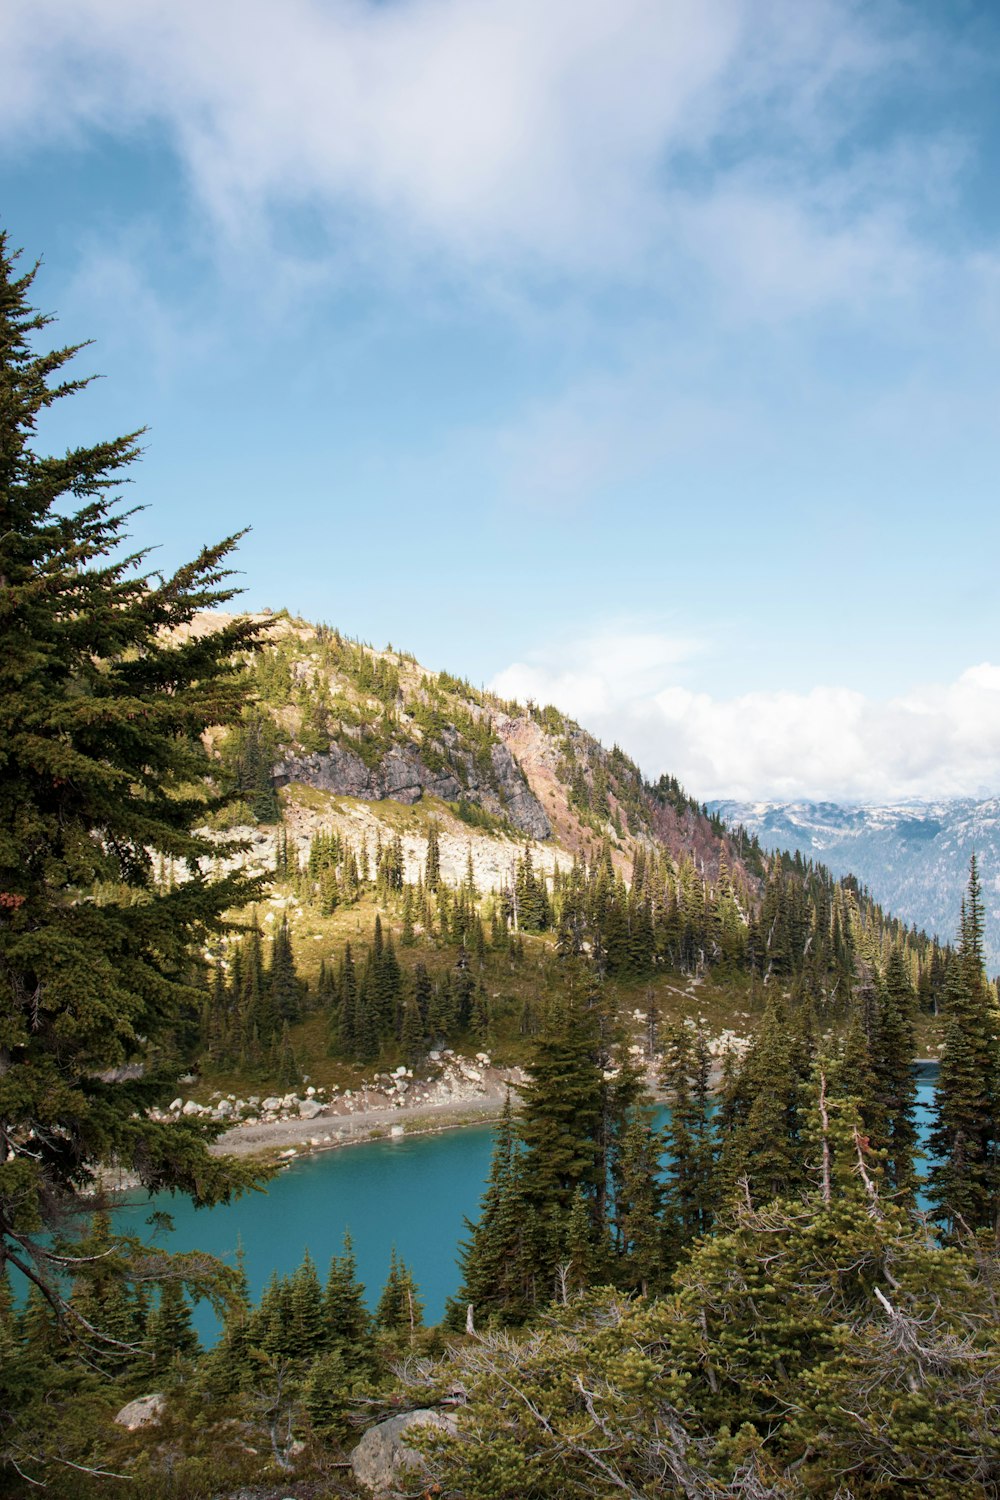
[(103, 701), (306, 1319), (690, 1188), (497, 1275), (399, 1309), (170, 1334), (895, 1073), (347, 1325), (286, 991), (639, 1209), (965, 1179), (432, 868)]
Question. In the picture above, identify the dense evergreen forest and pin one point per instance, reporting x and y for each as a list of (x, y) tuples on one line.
[(756, 1301)]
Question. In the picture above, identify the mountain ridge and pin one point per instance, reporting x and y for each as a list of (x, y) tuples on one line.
[(912, 854)]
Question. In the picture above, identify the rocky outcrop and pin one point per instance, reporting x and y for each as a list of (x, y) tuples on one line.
[(402, 776), (383, 1461), (518, 801), (144, 1411)]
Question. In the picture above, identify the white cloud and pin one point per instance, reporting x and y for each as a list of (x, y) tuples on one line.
[(499, 131), (937, 739)]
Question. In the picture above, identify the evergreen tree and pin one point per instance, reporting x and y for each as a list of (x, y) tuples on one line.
[(690, 1188), (965, 1178), (306, 1313), (286, 991), (169, 1332), (347, 1325), (399, 1309), (639, 1209), (103, 701), (497, 1276), (761, 1142), (895, 1072), (432, 868)]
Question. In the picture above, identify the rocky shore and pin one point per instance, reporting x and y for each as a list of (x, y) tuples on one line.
[(448, 1090)]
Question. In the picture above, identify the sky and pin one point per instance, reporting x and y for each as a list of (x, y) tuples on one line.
[(635, 355)]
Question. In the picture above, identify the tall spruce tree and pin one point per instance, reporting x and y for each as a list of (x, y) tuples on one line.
[(965, 1178), (104, 696)]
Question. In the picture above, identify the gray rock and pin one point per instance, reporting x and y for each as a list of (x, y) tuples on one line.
[(521, 806), (309, 1109), (144, 1411), (402, 776), (191, 1108), (384, 1462)]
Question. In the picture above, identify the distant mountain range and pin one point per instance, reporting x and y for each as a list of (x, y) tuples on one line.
[(914, 857)]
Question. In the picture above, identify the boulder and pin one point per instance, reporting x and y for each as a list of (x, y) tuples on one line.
[(383, 1461), (144, 1411), (309, 1109), (191, 1108)]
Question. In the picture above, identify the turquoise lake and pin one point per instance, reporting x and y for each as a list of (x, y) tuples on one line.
[(412, 1194)]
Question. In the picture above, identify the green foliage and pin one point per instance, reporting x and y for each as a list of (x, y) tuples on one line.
[(104, 697), (248, 756), (965, 1179), (813, 1347)]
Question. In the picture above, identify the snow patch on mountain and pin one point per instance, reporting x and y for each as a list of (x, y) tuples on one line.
[(913, 856)]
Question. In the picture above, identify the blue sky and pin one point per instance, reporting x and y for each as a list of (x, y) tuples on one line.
[(637, 354)]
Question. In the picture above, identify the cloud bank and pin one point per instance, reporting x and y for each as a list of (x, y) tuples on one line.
[(936, 740), (586, 136)]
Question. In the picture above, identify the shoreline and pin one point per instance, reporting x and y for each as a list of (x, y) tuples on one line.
[(291, 1139)]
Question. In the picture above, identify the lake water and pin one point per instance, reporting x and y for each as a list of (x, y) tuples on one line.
[(413, 1195)]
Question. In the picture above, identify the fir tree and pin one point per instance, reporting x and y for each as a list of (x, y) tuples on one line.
[(347, 1325), (399, 1307), (965, 1179), (690, 1189), (432, 867), (286, 991), (170, 1334), (103, 701), (639, 1209)]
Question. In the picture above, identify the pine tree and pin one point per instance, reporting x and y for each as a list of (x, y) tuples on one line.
[(639, 1209), (347, 1325), (399, 1309), (432, 868), (895, 1072), (283, 981), (103, 701), (169, 1332), (689, 1138), (965, 1179)]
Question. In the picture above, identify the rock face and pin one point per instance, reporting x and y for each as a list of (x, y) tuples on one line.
[(401, 776), (383, 1461), (144, 1411)]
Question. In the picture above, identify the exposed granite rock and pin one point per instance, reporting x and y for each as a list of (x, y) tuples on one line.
[(384, 1462), (521, 806), (144, 1411), (401, 776)]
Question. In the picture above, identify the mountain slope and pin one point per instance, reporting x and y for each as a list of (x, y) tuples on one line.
[(359, 725), (914, 857)]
